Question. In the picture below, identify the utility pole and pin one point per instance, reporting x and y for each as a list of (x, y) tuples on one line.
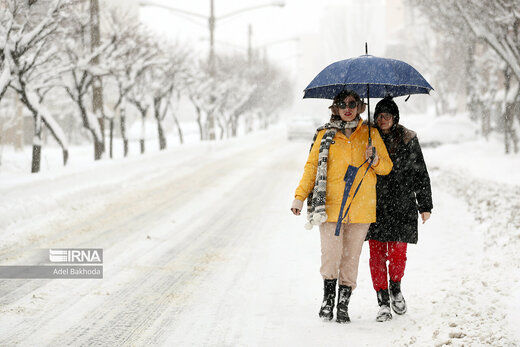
[(97, 87), (249, 46), (211, 23)]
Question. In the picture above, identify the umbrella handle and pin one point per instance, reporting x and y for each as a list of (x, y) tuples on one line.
[(368, 104), (373, 155)]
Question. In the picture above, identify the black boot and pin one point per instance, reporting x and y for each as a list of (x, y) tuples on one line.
[(383, 299), (396, 297), (344, 293), (329, 296)]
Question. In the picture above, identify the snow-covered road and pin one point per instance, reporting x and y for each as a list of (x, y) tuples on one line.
[(200, 249)]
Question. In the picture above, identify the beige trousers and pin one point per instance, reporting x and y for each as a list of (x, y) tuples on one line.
[(340, 254)]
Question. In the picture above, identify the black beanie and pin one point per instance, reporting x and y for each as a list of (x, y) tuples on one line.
[(387, 105)]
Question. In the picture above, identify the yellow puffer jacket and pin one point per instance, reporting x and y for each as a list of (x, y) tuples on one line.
[(342, 153)]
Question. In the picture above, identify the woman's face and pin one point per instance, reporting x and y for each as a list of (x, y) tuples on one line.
[(350, 112), (385, 121)]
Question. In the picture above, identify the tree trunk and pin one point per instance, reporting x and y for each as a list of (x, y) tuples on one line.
[(229, 126), (99, 148), (157, 101), (37, 138), (514, 137), (122, 123), (469, 63), (65, 154), (508, 113), (486, 124), (36, 157), (222, 129), (111, 136), (97, 142), (64, 151), (211, 127), (515, 109), (199, 122), (234, 125), (264, 121), (162, 138), (37, 144), (507, 128), (141, 140), (179, 130)]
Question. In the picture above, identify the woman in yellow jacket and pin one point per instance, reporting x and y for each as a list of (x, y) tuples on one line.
[(338, 144)]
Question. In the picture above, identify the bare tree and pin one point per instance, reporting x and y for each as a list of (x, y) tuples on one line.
[(134, 55), (495, 25), (81, 68), (236, 92), (198, 83), (166, 78), (30, 55)]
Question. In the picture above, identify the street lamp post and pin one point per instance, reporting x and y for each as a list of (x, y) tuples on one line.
[(249, 45), (211, 23)]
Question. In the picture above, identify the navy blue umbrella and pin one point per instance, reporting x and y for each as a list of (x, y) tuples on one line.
[(385, 77)]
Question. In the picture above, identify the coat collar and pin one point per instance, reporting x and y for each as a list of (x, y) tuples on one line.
[(359, 125), (356, 130)]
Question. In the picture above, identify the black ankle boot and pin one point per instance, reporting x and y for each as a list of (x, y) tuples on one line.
[(329, 296), (383, 300), (344, 293), (396, 298)]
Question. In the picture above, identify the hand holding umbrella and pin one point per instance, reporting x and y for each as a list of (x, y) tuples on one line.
[(371, 153)]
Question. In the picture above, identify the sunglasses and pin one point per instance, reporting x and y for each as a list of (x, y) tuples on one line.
[(342, 105), (386, 116)]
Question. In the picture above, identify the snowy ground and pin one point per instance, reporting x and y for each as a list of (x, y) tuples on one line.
[(200, 249)]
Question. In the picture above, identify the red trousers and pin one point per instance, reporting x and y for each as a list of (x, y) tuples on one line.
[(380, 252)]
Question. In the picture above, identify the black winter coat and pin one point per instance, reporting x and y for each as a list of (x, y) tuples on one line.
[(403, 192)]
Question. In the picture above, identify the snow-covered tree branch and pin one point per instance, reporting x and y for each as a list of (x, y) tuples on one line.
[(27, 51)]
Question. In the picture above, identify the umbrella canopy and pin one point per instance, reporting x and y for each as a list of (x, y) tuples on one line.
[(386, 77)]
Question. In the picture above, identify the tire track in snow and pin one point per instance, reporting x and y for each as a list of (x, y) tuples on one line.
[(231, 303), (219, 233), (151, 207), (82, 332), (91, 228), (61, 232)]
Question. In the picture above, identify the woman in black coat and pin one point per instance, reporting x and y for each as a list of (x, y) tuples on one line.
[(400, 195)]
